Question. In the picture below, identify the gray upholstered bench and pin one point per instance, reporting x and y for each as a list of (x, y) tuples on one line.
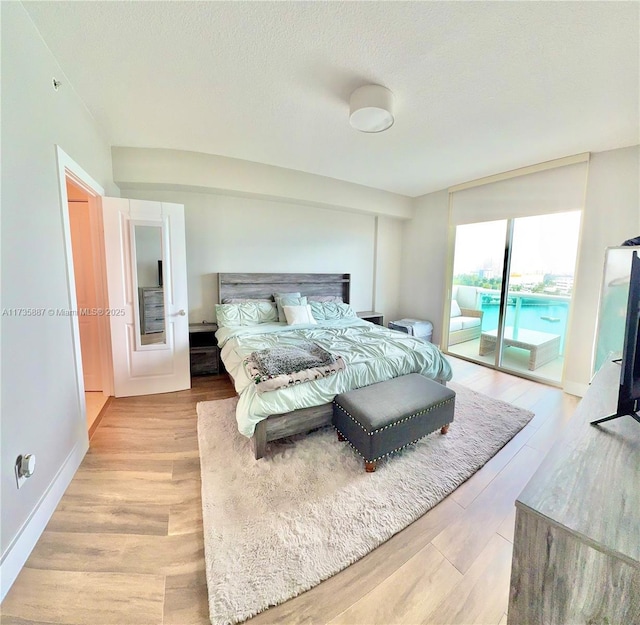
[(382, 418)]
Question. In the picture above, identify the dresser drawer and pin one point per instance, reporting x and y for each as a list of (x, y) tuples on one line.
[(204, 360), (151, 309)]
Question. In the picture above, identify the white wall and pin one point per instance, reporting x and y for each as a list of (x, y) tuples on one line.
[(244, 216), (387, 267), (40, 404), (611, 215), (423, 263), (178, 169), (242, 234)]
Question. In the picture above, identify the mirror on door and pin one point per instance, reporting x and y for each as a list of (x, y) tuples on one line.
[(147, 240)]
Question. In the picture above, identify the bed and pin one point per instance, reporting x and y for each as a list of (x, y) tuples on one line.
[(372, 354)]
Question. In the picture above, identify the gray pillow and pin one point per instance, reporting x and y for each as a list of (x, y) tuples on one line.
[(287, 299)]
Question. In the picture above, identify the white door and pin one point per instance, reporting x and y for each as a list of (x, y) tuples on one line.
[(147, 283)]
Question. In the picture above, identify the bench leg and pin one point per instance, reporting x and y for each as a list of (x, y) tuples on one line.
[(444, 429), (341, 438), (370, 466)]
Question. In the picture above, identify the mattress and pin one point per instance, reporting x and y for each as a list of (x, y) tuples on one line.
[(372, 354)]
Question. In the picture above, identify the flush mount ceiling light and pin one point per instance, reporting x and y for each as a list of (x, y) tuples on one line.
[(371, 109)]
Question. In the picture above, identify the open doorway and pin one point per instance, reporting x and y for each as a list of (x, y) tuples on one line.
[(128, 366), (87, 247)]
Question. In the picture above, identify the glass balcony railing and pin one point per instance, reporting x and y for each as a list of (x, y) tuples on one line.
[(540, 312), (534, 335)]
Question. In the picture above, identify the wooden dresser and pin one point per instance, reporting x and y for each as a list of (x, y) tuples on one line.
[(151, 309), (576, 552)]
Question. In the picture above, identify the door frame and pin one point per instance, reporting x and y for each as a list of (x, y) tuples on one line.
[(69, 169)]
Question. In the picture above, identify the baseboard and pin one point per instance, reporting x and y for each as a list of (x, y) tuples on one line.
[(18, 551), (575, 388)]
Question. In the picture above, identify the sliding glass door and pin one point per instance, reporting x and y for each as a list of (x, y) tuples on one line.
[(477, 284), (521, 289)]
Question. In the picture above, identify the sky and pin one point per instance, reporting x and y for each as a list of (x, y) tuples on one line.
[(541, 244)]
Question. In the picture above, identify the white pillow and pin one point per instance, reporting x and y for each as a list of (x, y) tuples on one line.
[(455, 309), (299, 315)]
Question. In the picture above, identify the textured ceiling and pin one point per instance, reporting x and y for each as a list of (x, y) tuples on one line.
[(480, 87)]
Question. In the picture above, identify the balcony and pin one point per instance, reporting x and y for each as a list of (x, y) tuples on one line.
[(535, 334)]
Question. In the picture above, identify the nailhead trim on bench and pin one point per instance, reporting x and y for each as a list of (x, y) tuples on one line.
[(390, 425), (393, 451)]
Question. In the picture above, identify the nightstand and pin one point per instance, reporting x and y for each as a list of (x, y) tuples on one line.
[(204, 352), (373, 317)]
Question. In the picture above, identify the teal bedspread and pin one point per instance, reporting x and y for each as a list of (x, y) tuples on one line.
[(372, 354)]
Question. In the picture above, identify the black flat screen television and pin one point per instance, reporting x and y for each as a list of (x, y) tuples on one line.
[(629, 393)]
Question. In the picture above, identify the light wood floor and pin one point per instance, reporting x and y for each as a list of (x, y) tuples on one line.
[(94, 401), (125, 544)]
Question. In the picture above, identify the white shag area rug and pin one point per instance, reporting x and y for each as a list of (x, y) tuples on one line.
[(276, 527)]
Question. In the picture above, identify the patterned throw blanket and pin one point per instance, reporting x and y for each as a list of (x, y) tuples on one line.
[(284, 366)]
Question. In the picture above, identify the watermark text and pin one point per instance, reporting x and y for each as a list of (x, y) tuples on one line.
[(62, 312)]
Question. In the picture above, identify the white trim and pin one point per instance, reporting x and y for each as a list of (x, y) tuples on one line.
[(25, 540), (68, 167), (163, 225), (523, 171), (575, 388)]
